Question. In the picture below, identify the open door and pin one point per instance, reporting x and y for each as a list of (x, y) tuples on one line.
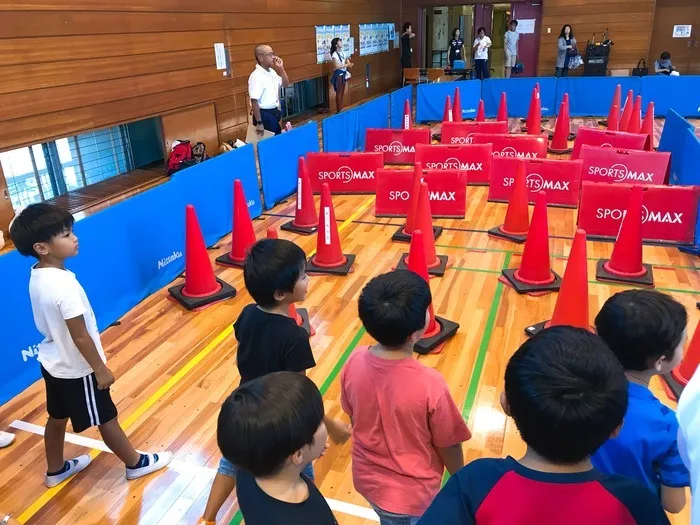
[(529, 17)]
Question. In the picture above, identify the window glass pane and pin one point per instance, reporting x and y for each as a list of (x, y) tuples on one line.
[(21, 179)]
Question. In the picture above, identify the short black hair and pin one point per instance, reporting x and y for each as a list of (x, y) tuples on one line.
[(406, 25), (665, 55), (640, 326), (38, 223), (513, 22), (482, 28), (567, 393), (392, 306), (273, 265), (266, 420)]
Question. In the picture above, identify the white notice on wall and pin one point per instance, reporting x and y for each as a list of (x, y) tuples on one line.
[(350, 46), (526, 26), (220, 53), (682, 31)]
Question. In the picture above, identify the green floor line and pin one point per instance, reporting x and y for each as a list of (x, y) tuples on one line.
[(462, 269), (238, 517)]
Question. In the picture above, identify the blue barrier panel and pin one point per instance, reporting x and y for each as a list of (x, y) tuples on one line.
[(519, 92), (592, 96), (673, 139), (340, 132), (398, 98), (684, 160), (680, 93), (430, 99), (278, 161), (213, 181), (373, 114)]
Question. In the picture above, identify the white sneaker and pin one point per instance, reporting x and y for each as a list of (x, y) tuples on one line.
[(6, 439), (155, 462), (75, 466)]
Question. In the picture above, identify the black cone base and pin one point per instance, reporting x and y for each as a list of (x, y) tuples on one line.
[(496, 232), (570, 137), (290, 227), (603, 123), (603, 275), (535, 328), (560, 151), (305, 324), (400, 236), (225, 260), (523, 288), (544, 119), (447, 330), (191, 303), (674, 387), (338, 270), (438, 270)]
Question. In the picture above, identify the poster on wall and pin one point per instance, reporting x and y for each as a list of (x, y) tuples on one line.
[(526, 26), (440, 29), (343, 32), (385, 36), (391, 30), (324, 35), (683, 31), (363, 39)]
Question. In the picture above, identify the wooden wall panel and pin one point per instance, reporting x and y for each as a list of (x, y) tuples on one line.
[(629, 24), (199, 122), (72, 65)]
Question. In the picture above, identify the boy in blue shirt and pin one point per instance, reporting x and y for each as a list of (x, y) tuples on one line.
[(646, 330)]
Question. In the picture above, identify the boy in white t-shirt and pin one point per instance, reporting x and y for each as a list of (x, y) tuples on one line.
[(482, 43), (688, 415), (73, 363)]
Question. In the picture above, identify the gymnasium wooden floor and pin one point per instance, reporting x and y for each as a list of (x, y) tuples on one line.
[(174, 368)]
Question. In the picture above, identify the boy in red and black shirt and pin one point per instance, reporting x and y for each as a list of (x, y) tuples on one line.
[(567, 393)]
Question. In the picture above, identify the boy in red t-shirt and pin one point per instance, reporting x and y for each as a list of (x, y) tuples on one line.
[(406, 427)]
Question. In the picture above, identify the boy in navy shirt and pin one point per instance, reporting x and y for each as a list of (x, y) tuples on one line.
[(646, 331), (567, 394)]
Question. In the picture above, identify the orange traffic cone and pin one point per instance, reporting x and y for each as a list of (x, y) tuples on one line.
[(407, 124), (616, 101), (272, 233), (305, 218), (613, 121), (447, 113), (201, 286), (301, 316), (517, 219), (481, 112), (242, 234), (535, 273), (329, 257), (648, 127), (403, 234), (562, 131), (534, 115), (679, 377), (627, 111), (457, 107), (503, 109), (424, 222), (625, 265), (438, 330), (571, 307), (635, 125)]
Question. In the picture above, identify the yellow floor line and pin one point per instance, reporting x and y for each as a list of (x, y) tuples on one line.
[(45, 497)]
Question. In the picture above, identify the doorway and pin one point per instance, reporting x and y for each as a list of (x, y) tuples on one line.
[(499, 25)]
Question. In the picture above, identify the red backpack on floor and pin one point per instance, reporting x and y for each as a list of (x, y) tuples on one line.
[(179, 157)]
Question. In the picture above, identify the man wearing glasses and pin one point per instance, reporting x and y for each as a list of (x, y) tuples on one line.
[(264, 89)]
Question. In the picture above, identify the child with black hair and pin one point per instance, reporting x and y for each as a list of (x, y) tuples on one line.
[(406, 427), (271, 427), (646, 330), (72, 360), (269, 340), (567, 394)]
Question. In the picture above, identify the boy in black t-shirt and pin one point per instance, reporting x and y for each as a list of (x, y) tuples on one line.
[(269, 340), (273, 426)]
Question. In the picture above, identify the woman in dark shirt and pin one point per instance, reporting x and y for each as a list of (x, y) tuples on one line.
[(406, 37), (457, 51)]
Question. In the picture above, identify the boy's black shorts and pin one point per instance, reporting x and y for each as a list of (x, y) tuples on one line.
[(78, 399)]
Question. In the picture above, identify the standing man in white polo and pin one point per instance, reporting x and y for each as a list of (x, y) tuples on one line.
[(264, 90)]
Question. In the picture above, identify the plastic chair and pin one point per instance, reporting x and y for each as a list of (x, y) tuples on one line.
[(411, 75)]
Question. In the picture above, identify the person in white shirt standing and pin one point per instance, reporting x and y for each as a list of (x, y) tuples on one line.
[(482, 43), (340, 72), (264, 86), (511, 48), (688, 415), (72, 360)]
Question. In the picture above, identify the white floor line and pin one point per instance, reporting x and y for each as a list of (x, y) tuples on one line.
[(184, 467)]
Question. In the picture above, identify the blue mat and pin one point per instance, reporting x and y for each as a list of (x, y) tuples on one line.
[(278, 161), (373, 114), (430, 99), (519, 92), (397, 103), (673, 138), (679, 93), (592, 96), (340, 132)]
